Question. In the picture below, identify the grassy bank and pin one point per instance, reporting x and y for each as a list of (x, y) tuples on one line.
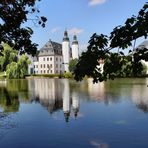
[(2, 75), (66, 75)]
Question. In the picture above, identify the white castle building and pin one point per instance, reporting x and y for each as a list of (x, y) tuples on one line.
[(54, 58)]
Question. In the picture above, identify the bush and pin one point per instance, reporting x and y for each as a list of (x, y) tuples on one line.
[(68, 75)]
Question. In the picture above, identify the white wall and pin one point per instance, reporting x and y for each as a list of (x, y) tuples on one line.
[(66, 55), (75, 51), (50, 65), (146, 64)]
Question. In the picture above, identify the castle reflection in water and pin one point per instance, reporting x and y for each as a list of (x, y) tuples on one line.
[(55, 95), (64, 94)]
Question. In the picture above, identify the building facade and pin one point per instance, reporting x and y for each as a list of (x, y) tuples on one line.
[(144, 45), (54, 58)]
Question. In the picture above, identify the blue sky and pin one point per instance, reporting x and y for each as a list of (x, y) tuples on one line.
[(83, 17)]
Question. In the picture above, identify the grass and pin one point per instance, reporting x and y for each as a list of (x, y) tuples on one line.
[(2, 75), (46, 75), (65, 75)]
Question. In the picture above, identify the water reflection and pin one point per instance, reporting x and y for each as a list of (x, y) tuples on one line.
[(11, 93), (64, 94), (47, 92), (70, 100), (96, 90), (75, 103), (55, 94), (66, 99), (140, 97)]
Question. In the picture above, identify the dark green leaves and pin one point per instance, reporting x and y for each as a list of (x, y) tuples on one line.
[(115, 64), (13, 14)]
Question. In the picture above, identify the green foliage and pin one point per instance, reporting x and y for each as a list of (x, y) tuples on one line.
[(144, 71), (18, 70), (12, 71), (72, 65), (9, 103), (134, 27), (2, 75), (68, 75), (8, 55), (115, 64), (13, 14), (14, 67), (22, 66), (48, 75), (10, 94)]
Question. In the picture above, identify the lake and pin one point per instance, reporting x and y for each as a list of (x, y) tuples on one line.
[(61, 113)]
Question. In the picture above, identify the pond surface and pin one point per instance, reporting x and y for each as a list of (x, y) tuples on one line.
[(60, 113)]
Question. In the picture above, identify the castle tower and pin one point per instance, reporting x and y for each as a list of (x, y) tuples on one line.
[(75, 103), (75, 48), (66, 99), (66, 51)]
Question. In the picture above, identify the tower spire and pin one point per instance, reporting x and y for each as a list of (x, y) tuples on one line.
[(75, 47), (65, 38), (66, 51), (75, 41)]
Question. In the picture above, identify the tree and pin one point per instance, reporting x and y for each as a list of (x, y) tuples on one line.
[(19, 69), (12, 71), (100, 47), (23, 66), (13, 14), (72, 64), (8, 55), (15, 67)]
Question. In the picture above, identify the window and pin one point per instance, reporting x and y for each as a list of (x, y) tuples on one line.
[(50, 65), (41, 65), (44, 66), (60, 60), (41, 71), (56, 59), (51, 59), (47, 71), (56, 65), (43, 59), (50, 71), (56, 71), (36, 66), (47, 59), (44, 71), (60, 65)]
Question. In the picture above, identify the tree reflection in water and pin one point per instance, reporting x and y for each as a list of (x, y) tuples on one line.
[(12, 93)]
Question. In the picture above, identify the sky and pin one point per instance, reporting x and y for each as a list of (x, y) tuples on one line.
[(82, 17)]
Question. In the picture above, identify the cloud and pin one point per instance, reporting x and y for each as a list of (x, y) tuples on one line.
[(83, 47), (99, 144), (96, 2), (55, 29), (75, 30)]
